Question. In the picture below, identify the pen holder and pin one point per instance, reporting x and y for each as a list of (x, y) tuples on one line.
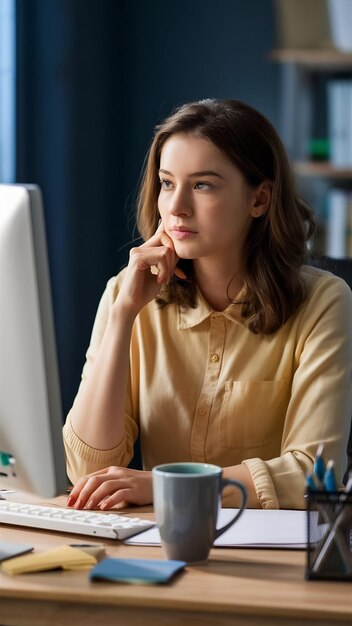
[(329, 545)]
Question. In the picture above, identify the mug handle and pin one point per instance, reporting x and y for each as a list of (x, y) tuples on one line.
[(223, 483)]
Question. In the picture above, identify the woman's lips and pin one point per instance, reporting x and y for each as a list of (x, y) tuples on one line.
[(182, 233)]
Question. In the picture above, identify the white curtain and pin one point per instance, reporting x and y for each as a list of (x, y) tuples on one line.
[(7, 91)]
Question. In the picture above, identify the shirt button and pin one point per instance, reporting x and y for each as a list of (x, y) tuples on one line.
[(201, 412), (214, 358)]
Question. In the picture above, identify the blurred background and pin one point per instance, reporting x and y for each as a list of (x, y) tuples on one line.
[(93, 77), (84, 82)]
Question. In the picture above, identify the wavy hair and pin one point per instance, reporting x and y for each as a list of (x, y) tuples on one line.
[(276, 244)]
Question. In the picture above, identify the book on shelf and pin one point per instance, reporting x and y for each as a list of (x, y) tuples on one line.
[(303, 24), (339, 100), (314, 24), (340, 19), (339, 223)]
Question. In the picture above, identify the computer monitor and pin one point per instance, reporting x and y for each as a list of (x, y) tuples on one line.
[(31, 448)]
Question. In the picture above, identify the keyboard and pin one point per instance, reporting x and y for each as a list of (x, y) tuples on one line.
[(83, 522)]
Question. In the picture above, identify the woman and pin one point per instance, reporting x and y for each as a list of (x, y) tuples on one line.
[(215, 343)]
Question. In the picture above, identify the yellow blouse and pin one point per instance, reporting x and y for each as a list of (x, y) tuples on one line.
[(202, 387)]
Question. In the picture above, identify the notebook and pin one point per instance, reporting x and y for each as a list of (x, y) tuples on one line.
[(257, 528)]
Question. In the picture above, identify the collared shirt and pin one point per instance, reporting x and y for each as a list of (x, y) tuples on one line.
[(203, 387)]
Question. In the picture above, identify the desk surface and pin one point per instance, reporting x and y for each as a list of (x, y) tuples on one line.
[(243, 587)]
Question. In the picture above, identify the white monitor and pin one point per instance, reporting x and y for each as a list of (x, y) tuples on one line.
[(31, 448)]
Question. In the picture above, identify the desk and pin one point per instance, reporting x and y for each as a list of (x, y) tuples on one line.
[(237, 587)]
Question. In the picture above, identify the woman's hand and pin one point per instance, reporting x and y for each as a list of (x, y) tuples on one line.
[(150, 266), (113, 485)]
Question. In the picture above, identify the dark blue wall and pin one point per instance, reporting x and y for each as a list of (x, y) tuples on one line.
[(94, 77)]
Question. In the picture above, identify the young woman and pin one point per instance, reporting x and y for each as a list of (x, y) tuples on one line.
[(216, 343)]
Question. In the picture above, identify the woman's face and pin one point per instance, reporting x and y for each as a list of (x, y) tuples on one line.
[(204, 200)]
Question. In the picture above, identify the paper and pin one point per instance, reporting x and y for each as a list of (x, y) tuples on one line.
[(136, 571), (255, 528), (63, 557)]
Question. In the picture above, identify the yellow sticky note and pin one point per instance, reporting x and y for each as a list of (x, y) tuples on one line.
[(63, 557)]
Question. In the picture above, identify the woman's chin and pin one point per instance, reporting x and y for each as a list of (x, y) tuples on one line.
[(184, 252)]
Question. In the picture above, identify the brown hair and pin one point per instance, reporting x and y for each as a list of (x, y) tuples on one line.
[(276, 245)]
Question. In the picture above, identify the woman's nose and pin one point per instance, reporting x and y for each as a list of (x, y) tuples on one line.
[(180, 203)]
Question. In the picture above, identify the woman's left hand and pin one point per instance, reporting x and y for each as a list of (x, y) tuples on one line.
[(113, 485)]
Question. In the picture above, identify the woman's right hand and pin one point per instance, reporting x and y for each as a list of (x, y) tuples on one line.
[(150, 266), (112, 486)]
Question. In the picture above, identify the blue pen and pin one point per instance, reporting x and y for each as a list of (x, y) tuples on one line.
[(329, 482), (310, 482), (319, 465)]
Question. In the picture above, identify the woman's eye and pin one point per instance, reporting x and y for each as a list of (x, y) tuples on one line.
[(165, 184), (202, 186)]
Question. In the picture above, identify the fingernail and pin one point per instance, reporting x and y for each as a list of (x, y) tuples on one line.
[(179, 273), (78, 503), (90, 504), (70, 500), (103, 506)]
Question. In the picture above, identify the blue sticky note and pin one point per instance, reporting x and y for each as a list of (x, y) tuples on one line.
[(143, 571)]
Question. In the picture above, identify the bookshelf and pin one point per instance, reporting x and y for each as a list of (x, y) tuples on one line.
[(317, 59), (305, 79), (323, 170)]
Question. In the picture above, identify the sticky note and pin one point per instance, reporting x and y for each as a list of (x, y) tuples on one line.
[(63, 557), (137, 571)]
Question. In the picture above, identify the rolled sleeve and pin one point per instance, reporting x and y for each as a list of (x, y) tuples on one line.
[(263, 483), (83, 459)]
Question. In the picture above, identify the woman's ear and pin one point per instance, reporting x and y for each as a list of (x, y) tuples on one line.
[(260, 199)]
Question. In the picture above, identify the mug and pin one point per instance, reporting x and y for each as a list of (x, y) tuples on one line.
[(186, 505)]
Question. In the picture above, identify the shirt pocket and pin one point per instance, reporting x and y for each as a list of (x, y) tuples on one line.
[(253, 412)]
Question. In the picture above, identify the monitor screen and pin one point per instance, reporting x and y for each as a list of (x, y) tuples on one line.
[(31, 448)]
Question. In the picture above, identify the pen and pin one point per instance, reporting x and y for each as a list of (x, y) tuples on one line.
[(329, 480), (319, 464), (310, 482)]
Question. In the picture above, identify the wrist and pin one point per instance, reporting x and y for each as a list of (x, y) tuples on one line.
[(122, 313)]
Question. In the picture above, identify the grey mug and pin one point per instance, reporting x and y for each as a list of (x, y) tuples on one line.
[(186, 505)]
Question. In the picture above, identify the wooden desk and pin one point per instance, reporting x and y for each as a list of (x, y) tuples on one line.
[(237, 586)]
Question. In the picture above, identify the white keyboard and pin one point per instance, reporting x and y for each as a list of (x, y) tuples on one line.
[(83, 522)]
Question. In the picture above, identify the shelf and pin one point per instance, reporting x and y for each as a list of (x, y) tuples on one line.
[(315, 169), (316, 59), (305, 113)]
